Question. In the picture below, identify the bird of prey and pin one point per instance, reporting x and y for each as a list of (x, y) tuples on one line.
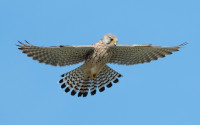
[(94, 73)]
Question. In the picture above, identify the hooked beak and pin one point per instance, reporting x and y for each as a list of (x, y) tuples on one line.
[(114, 42)]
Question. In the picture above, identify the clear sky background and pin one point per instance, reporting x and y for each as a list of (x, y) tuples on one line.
[(163, 92)]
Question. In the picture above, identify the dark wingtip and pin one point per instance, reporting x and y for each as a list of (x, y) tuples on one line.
[(163, 56), (27, 42), (20, 48), (62, 75), (183, 44), (25, 51), (24, 44), (20, 42), (29, 55), (18, 45)]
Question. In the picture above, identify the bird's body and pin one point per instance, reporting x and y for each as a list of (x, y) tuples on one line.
[(94, 73), (96, 60)]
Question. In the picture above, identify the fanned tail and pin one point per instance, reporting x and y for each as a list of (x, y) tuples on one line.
[(74, 81), (105, 78)]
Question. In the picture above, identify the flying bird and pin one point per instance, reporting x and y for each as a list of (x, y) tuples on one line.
[(94, 73)]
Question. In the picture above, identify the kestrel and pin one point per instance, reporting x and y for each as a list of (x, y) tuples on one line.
[(94, 73)]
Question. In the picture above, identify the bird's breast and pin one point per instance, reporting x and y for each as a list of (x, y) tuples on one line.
[(98, 59)]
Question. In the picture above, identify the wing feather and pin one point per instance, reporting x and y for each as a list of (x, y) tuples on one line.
[(56, 55), (136, 54)]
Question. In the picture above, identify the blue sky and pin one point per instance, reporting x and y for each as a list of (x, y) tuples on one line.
[(163, 92)]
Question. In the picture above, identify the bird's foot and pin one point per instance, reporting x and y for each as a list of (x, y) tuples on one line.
[(93, 76)]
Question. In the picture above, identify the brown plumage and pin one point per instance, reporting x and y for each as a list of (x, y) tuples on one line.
[(94, 73)]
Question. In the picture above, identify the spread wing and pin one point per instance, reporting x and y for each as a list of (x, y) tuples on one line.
[(135, 54), (57, 56)]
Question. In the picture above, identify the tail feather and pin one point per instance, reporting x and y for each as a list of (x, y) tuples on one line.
[(84, 88), (106, 77), (74, 81), (93, 86)]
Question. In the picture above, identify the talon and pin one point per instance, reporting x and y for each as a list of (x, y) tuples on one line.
[(93, 76)]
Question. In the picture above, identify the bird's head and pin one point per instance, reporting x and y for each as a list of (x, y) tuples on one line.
[(110, 39)]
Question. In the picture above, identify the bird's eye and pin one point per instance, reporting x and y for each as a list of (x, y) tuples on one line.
[(111, 39)]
